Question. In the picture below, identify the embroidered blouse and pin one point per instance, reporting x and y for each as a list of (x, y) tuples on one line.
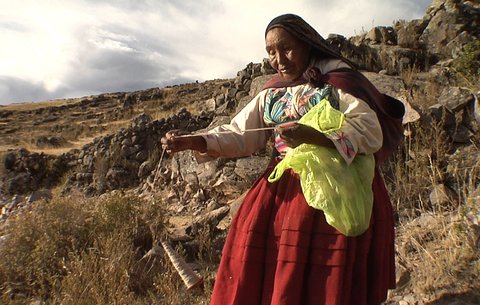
[(360, 134)]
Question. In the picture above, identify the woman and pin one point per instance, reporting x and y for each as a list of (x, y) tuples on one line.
[(280, 250)]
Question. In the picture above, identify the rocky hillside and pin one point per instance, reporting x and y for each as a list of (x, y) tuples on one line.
[(108, 143)]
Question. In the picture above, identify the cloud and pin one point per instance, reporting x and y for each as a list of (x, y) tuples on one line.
[(22, 90), (9, 25), (63, 48), (120, 69)]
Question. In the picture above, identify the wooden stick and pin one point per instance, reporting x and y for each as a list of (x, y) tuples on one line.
[(158, 167)]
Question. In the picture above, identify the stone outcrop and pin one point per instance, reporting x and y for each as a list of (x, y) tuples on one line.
[(27, 172), (123, 159), (446, 27)]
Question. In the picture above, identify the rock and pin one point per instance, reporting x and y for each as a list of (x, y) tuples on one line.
[(210, 104), (44, 194), (408, 33), (455, 98), (126, 142), (142, 119), (441, 196), (145, 270), (426, 220), (251, 168), (207, 172), (403, 280), (381, 34), (231, 92), (9, 161), (266, 67), (410, 299), (219, 100), (21, 183), (476, 107), (141, 155), (462, 135), (226, 108), (87, 161), (17, 199), (118, 178), (391, 85), (374, 35), (210, 219), (145, 169), (236, 203), (200, 195), (442, 114), (54, 141)]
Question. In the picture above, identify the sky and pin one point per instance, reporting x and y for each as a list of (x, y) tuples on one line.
[(54, 49)]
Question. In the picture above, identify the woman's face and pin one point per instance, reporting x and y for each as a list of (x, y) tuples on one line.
[(287, 54)]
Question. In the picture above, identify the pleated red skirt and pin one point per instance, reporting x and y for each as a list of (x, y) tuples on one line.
[(280, 251)]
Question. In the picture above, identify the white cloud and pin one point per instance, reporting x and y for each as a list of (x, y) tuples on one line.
[(60, 48)]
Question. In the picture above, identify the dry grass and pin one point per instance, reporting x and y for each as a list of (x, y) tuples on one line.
[(438, 244), (21, 124), (99, 275), (409, 75), (439, 256), (89, 251), (27, 106), (440, 250), (37, 243), (418, 166)]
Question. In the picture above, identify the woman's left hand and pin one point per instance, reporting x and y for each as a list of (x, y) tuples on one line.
[(295, 134)]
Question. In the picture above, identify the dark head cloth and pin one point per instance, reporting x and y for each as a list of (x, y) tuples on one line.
[(299, 28)]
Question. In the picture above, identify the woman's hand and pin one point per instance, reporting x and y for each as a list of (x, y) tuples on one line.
[(295, 134), (175, 141)]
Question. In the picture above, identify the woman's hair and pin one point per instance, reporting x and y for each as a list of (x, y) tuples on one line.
[(299, 28)]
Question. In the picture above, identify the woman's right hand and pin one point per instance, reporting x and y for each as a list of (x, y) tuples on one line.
[(175, 141), (294, 134)]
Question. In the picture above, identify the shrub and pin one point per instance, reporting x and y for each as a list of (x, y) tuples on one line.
[(468, 63), (80, 251), (37, 244)]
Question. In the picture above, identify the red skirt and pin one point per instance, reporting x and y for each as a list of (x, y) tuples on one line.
[(280, 251)]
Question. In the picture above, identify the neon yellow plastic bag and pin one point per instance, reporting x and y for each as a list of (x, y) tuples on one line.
[(343, 192), (323, 117)]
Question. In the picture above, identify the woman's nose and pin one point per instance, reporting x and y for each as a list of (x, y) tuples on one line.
[(280, 58)]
